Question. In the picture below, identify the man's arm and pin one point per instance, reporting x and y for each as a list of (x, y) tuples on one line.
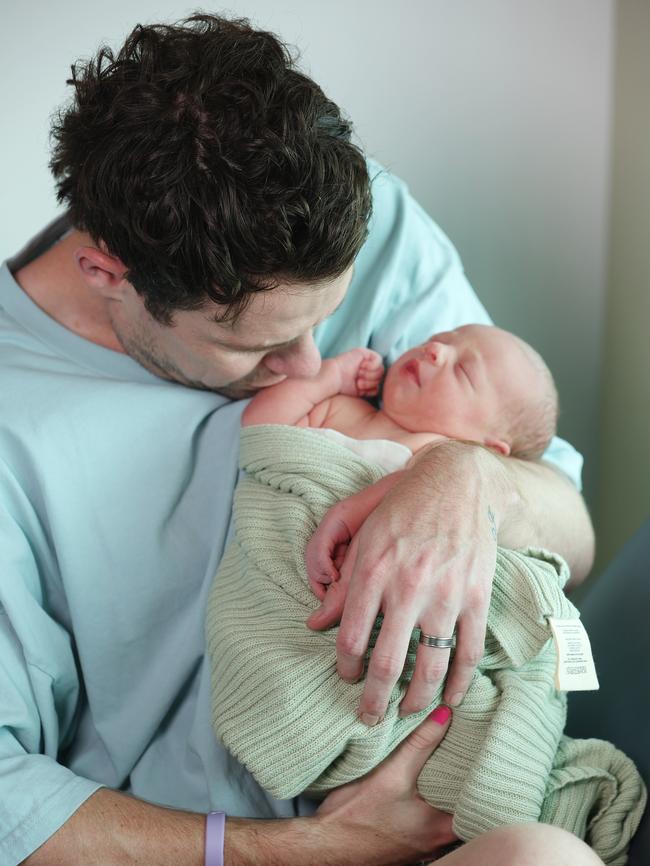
[(379, 820), (539, 507), (426, 558), (547, 511), (526, 525)]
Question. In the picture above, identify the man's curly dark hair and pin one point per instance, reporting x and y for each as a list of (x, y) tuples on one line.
[(213, 168)]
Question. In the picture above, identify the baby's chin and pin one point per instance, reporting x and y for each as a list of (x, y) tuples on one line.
[(399, 415)]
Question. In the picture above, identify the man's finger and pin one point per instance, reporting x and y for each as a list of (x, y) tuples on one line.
[(362, 605), (431, 662), (431, 665), (470, 644), (420, 744), (386, 664)]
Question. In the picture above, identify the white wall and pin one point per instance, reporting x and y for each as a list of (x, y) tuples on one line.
[(498, 115)]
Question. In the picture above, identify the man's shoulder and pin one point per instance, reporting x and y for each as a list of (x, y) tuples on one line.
[(408, 279), (398, 215)]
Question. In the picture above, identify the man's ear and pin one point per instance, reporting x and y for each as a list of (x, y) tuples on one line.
[(498, 445), (102, 272)]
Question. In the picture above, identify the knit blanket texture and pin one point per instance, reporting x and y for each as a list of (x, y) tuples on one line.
[(280, 708)]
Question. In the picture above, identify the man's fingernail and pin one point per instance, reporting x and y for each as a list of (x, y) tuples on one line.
[(440, 715), (369, 719), (456, 699)]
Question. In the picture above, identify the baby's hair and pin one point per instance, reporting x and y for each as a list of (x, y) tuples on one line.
[(533, 425)]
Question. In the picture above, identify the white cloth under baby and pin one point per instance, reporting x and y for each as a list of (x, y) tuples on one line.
[(391, 456)]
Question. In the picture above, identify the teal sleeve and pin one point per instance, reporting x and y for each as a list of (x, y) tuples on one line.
[(39, 691), (564, 457), (409, 283)]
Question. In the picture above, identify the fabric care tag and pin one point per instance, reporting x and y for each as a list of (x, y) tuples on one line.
[(576, 671)]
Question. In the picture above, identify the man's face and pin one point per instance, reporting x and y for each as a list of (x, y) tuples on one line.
[(271, 340)]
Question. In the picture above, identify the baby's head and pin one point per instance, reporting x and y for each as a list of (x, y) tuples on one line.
[(477, 383)]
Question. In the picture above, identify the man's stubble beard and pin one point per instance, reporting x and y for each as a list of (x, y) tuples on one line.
[(144, 351)]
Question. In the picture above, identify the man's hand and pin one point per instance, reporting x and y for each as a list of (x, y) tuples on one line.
[(386, 801), (425, 558), (327, 549)]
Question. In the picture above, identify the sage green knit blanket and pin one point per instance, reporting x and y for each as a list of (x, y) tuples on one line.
[(280, 708)]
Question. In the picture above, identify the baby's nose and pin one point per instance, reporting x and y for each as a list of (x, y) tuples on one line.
[(436, 352)]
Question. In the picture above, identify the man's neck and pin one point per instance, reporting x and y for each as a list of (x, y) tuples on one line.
[(54, 283)]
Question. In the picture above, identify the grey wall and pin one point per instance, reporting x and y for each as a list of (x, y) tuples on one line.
[(498, 114), (624, 489)]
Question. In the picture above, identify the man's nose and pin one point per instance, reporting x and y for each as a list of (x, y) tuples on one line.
[(300, 360)]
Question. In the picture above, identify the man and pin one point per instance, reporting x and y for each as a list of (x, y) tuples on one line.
[(218, 240)]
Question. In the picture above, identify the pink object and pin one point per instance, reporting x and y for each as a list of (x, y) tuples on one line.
[(440, 715)]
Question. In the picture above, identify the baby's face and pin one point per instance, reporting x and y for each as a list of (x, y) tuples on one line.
[(462, 384)]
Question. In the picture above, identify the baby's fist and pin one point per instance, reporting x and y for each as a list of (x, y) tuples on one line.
[(361, 372), (369, 374)]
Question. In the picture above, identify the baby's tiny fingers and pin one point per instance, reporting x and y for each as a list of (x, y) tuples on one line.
[(370, 376)]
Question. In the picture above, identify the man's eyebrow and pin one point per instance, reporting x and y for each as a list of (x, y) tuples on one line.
[(269, 347)]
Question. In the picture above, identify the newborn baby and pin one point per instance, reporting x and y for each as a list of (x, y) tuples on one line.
[(278, 703), (477, 383)]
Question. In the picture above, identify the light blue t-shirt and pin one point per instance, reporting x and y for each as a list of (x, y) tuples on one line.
[(115, 500)]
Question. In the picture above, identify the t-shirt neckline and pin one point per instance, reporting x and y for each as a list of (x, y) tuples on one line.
[(17, 304)]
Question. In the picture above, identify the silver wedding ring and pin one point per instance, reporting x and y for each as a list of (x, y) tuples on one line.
[(439, 642)]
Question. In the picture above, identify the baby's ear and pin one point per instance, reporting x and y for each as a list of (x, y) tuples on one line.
[(498, 445)]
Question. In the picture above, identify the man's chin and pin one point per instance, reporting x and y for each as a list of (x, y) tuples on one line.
[(236, 393), (242, 391)]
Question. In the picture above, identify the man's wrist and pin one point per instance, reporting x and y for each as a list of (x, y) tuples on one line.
[(500, 484), (214, 838), (280, 842), (485, 474), (319, 840), (532, 502)]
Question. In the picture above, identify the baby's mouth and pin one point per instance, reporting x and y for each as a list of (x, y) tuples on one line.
[(411, 368)]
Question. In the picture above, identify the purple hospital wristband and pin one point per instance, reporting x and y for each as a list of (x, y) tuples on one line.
[(215, 824)]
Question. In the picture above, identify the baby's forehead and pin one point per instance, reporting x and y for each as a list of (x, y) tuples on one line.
[(474, 333), (499, 349)]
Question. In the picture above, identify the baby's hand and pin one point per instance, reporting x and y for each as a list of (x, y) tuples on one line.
[(370, 373), (325, 552), (361, 372), (332, 594)]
